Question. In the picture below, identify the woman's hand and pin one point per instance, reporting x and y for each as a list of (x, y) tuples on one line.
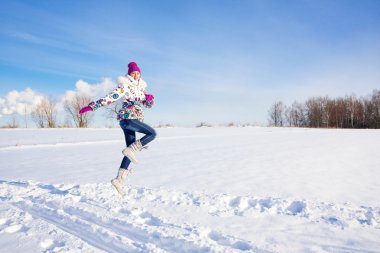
[(149, 100), (85, 109), (149, 97)]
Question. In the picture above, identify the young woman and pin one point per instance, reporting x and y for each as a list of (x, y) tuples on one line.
[(133, 89)]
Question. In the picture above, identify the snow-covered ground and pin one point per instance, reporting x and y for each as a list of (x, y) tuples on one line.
[(195, 190)]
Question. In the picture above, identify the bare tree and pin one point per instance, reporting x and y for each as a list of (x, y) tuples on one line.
[(38, 116), (375, 101), (72, 107), (351, 107), (360, 113), (328, 111), (51, 113), (112, 110), (204, 124), (276, 114), (295, 115), (314, 108), (25, 116), (44, 114), (14, 123)]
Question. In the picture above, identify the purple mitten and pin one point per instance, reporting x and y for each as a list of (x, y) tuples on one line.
[(149, 97), (85, 109)]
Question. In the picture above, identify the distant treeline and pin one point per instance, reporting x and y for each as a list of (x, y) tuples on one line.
[(325, 112)]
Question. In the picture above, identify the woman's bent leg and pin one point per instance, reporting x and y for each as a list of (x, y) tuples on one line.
[(137, 126), (141, 127)]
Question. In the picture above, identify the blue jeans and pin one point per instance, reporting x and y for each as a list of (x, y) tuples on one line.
[(130, 127)]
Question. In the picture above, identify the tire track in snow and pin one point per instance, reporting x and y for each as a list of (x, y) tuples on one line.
[(77, 228), (83, 217)]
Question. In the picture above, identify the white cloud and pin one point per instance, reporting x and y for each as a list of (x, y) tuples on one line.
[(95, 91), (19, 102)]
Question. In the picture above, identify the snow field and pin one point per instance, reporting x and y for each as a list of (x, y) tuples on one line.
[(196, 190), (101, 220)]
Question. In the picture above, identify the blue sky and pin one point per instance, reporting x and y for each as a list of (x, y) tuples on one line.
[(213, 61)]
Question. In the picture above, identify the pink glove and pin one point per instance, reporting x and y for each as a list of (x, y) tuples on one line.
[(85, 109), (149, 97)]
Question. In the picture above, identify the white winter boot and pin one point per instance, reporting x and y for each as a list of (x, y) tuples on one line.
[(130, 151), (119, 181)]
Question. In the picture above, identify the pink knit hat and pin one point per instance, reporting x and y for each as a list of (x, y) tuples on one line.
[(132, 66)]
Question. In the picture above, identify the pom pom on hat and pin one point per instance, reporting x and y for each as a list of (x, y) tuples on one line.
[(132, 66)]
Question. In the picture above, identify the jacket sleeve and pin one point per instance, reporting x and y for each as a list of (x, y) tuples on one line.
[(115, 95)]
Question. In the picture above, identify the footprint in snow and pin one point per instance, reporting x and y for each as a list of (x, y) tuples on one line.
[(296, 207), (219, 238), (241, 246), (265, 204), (334, 221), (235, 202), (150, 219), (225, 241), (366, 218)]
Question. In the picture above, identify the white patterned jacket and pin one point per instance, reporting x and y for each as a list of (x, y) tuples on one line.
[(134, 94)]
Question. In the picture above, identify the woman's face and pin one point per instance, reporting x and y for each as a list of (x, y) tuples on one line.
[(136, 75)]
